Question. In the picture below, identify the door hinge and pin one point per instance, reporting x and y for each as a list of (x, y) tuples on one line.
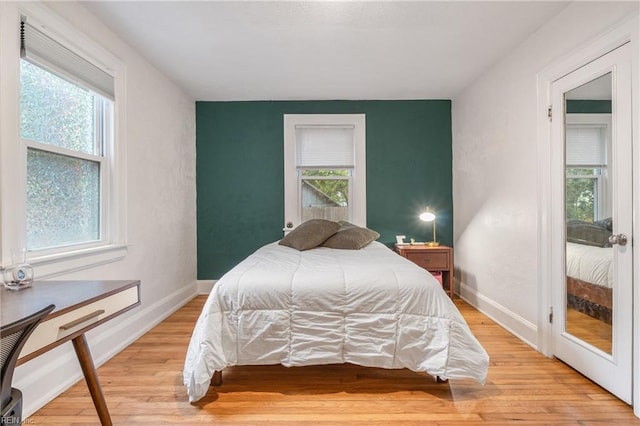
[(550, 314), (550, 113)]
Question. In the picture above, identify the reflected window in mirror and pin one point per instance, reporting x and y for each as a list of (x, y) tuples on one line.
[(586, 169), (588, 148)]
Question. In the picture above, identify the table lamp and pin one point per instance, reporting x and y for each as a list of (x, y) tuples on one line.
[(429, 216)]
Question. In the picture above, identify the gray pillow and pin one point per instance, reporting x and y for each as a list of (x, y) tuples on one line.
[(588, 234), (351, 237), (605, 223), (310, 234)]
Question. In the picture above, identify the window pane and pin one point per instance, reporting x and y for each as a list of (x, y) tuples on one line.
[(55, 111), (576, 171), (63, 200), (325, 197), (325, 172), (581, 197)]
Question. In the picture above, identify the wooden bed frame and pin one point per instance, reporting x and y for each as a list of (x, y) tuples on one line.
[(590, 299), (216, 379)]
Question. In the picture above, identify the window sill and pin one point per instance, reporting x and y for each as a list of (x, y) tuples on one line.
[(63, 263)]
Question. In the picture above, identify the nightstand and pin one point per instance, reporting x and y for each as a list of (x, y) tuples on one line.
[(433, 259)]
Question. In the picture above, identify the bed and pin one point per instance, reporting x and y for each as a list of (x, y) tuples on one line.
[(324, 305), (590, 280)]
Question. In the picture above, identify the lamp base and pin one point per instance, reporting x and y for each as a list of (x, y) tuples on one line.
[(433, 244)]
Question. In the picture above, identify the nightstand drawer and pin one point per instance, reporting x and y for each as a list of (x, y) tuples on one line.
[(430, 260)]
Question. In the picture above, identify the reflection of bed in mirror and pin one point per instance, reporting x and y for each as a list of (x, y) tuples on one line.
[(590, 280), (590, 268)]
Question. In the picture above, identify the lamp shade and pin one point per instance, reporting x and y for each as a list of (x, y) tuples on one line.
[(428, 215)]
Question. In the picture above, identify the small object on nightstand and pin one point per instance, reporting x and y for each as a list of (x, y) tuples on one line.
[(437, 260)]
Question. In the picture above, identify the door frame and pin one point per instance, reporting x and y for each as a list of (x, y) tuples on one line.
[(548, 266)]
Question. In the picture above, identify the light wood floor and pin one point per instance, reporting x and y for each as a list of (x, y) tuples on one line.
[(591, 330), (143, 385)]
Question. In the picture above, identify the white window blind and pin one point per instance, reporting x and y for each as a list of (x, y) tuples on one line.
[(586, 146), (325, 146), (41, 49)]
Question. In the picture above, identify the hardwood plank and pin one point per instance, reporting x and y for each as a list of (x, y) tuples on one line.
[(143, 385), (591, 330)]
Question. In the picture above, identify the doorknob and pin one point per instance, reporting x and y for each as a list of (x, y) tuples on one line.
[(619, 239)]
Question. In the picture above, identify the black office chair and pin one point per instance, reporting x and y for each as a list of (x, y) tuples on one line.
[(12, 338)]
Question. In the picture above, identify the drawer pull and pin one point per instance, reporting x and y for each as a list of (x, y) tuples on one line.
[(80, 320)]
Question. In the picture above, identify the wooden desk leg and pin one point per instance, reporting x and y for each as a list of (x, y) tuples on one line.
[(91, 377)]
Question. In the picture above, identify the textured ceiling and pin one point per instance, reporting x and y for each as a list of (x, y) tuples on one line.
[(224, 50)]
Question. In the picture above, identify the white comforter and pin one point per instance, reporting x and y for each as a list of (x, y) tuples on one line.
[(591, 264), (369, 307)]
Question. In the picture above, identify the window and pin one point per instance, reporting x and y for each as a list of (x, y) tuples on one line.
[(325, 168), (582, 193), (67, 209), (66, 130), (587, 143)]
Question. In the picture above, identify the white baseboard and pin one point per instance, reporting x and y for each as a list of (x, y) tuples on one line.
[(523, 329), (205, 286), (47, 376)]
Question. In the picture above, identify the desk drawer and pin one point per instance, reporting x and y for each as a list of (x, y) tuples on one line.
[(429, 260), (79, 320)]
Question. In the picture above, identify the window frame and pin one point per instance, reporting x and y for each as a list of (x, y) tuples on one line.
[(293, 178), (13, 151)]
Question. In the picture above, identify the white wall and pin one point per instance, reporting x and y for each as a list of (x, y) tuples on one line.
[(161, 214), (495, 162)]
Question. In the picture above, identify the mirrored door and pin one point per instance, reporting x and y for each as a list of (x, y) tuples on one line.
[(592, 299), (589, 213)]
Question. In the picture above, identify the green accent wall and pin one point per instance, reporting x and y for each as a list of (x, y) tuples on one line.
[(240, 172), (588, 106)]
